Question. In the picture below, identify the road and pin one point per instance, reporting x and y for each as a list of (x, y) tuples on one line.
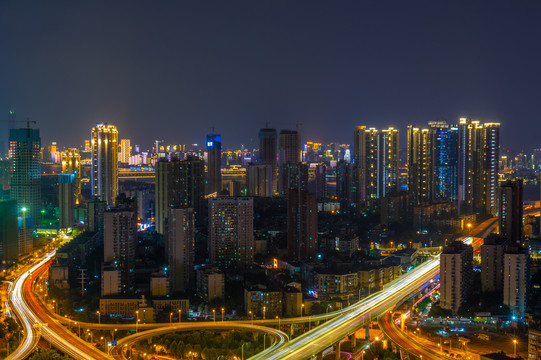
[(355, 316), (35, 318), (405, 341)]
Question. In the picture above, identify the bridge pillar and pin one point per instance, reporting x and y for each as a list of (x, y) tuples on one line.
[(353, 340), (367, 333), (337, 350), (291, 331), (320, 355)]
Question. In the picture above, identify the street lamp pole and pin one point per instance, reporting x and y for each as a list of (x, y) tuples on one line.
[(264, 310), (214, 314), (302, 308), (242, 351), (99, 317), (252, 315), (136, 320), (223, 314), (515, 347), (171, 319), (179, 315)]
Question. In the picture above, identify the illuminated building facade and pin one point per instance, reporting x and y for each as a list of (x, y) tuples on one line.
[(125, 151), (492, 263), (214, 164), (231, 232), (432, 156), (71, 164), (180, 247), (511, 211), (293, 176), (478, 167), (346, 187), (25, 171), (321, 181), (516, 276), (376, 157), (105, 162)]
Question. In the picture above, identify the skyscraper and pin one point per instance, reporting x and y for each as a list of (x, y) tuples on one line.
[(179, 184), (455, 275), (510, 212), (289, 147), (267, 151), (71, 164), (25, 171), (376, 158), (478, 167), (9, 240), (180, 242), (259, 180), (105, 163), (515, 278), (66, 200), (301, 224), (432, 155), (293, 176), (231, 232), (492, 252), (214, 164), (321, 181), (119, 244), (346, 187)]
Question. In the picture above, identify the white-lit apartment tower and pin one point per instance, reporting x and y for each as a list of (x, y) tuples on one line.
[(515, 278), (376, 159), (478, 167), (455, 275), (105, 162), (492, 263), (231, 232), (180, 246)]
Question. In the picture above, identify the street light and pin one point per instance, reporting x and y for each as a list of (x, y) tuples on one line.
[(252, 315), (278, 321), (114, 332), (214, 314), (24, 224), (223, 314), (99, 316), (302, 308), (515, 347), (179, 315), (362, 355), (264, 311), (171, 319), (136, 320)]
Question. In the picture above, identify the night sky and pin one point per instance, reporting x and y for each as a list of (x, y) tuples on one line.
[(170, 70)]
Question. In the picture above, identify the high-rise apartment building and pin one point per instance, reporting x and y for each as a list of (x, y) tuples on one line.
[(478, 167), (125, 151), (105, 163), (455, 275), (179, 184), (231, 232), (259, 180), (66, 200), (432, 156), (9, 246), (180, 245), (25, 170), (511, 211), (214, 164), (289, 147), (301, 224), (492, 263), (321, 181), (293, 176), (119, 245), (376, 158), (515, 278), (346, 187), (71, 164), (267, 151), (95, 210)]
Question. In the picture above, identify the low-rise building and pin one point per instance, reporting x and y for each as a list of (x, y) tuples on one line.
[(262, 302), (534, 344), (210, 283)]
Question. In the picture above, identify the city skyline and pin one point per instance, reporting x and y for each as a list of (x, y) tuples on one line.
[(225, 66)]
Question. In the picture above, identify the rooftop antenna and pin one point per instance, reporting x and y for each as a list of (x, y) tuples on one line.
[(266, 124), (212, 130), (297, 125)]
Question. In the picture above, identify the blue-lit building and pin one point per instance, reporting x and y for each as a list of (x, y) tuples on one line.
[(214, 163), (445, 161)]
